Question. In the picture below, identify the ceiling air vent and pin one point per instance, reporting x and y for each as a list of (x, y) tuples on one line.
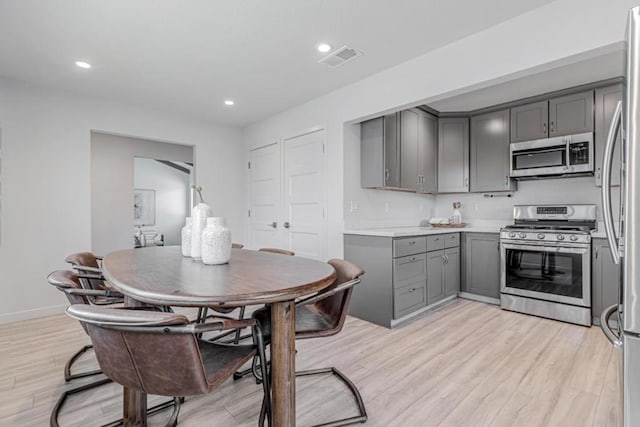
[(340, 56)]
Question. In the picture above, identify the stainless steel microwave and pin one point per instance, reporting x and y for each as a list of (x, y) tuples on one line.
[(562, 155)]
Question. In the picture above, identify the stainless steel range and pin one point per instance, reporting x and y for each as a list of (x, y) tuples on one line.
[(546, 262)]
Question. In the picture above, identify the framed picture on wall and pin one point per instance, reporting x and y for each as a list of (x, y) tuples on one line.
[(144, 207)]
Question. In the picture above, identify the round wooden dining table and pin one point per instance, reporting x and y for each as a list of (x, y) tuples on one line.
[(162, 276)]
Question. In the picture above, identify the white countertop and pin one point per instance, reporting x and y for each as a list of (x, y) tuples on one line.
[(426, 230)]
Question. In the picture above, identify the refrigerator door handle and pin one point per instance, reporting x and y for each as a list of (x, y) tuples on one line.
[(604, 324), (606, 184)]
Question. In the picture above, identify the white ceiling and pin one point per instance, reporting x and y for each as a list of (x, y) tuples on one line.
[(188, 56)]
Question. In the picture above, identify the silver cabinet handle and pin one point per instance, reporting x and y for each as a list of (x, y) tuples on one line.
[(273, 224), (413, 242), (597, 247), (466, 183), (544, 128), (551, 127), (506, 180), (286, 225), (412, 290), (604, 324), (413, 259), (606, 183), (386, 175)]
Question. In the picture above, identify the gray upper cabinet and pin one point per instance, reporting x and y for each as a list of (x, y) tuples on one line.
[(489, 152), (453, 155), (482, 264), (409, 176), (571, 114), (380, 152), (606, 100), (530, 121), (418, 148), (427, 153)]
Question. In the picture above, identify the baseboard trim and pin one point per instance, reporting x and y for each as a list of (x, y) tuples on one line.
[(408, 317), (481, 298), (17, 316)]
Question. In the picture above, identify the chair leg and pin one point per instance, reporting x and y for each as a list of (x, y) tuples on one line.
[(265, 409), (362, 418), (172, 422), (68, 376)]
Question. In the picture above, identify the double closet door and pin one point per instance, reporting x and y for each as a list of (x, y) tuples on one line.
[(287, 195)]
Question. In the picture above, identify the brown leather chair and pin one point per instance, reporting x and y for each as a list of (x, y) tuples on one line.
[(277, 251), (69, 283), (322, 315), (87, 263), (159, 353)]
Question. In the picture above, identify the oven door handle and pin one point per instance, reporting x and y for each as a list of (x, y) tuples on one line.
[(548, 249), (606, 184), (604, 324)]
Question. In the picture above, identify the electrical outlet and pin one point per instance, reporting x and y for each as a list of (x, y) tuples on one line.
[(353, 206)]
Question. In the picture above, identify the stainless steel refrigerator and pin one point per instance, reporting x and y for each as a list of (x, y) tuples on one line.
[(625, 244)]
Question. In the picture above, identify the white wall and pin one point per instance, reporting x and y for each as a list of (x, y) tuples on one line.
[(172, 196), (46, 195), (563, 32)]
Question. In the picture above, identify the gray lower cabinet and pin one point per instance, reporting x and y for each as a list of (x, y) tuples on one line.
[(402, 275), (605, 278), (453, 155), (607, 99), (489, 167), (481, 266)]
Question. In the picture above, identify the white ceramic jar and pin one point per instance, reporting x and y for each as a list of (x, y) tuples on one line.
[(216, 242), (186, 237), (199, 216)]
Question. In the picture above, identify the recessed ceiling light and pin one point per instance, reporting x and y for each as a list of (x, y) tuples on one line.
[(83, 64), (324, 47), (229, 102)]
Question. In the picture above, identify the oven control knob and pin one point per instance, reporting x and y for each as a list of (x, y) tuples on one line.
[(512, 234), (540, 235), (560, 236), (574, 237), (523, 235)]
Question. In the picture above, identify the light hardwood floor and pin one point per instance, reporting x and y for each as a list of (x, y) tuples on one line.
[(467, 364)]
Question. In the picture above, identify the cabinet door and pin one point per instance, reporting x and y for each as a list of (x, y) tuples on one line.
[(605, 278), (490, 152), (427, 153), (453, 155), (482, 264), (529, 121), (606, 101), (435, 282), (409, 120), (451, 271), (571, 114), (391, 151), (379, 153)]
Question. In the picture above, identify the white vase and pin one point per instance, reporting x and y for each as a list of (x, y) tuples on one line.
[(216, 242), (199, 215), (186, 237)]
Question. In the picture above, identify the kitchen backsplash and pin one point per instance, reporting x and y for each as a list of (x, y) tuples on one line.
[(387, 208)]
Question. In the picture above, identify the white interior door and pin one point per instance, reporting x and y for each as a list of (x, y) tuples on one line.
[(304, 195), (265, 228)]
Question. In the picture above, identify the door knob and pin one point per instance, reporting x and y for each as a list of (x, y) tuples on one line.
[(286, 224), (273, 224)]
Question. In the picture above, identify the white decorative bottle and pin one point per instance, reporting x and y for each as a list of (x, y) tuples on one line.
[(186, 237), (456, 218), (199, 216), (216, 242)]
